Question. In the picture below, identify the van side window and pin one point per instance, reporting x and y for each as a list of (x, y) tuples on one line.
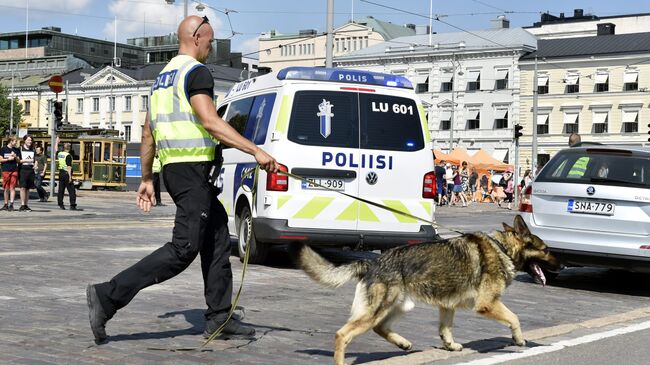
[(238, 114), (258, 121), (222, 110)]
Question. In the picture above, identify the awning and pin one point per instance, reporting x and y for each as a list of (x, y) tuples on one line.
[(630, 116), (542, 80), (500, 113), (570, 118), (420, 79), (473, 75), (630, 77), (472, 114), (601, 78), (446, 77), (445, 115), (502, 75), (600, 118), (500, 154), (542, 119), (572, 79)]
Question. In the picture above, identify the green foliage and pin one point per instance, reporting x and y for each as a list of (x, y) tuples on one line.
[(5, 111)]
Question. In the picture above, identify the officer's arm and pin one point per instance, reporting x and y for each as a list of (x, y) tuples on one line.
[(147, 151)]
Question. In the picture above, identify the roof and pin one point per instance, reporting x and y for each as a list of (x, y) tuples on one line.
[(386, 29), (448, 42), (587, 46)]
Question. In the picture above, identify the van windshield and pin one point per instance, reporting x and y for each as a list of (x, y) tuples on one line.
[(355, 120), (600, 167)]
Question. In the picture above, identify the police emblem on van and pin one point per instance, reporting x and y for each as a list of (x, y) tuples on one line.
[(325, 114), (371, 178)]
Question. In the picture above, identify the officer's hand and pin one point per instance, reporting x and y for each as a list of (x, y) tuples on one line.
[(266, 161), (145, 198)]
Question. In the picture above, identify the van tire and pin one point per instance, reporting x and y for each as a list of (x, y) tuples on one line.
[(258, 250)]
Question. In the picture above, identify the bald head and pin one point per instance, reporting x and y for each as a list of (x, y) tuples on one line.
[(195, 38)]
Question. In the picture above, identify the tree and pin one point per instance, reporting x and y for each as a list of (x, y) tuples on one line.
[(5, 111)]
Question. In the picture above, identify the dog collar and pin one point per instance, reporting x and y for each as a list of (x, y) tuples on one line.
[(499, 244)]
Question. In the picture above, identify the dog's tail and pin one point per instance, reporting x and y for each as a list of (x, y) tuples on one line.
[(323, 271)]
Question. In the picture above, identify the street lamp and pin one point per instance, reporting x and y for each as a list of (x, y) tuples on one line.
[(171, 2), (453, 97)]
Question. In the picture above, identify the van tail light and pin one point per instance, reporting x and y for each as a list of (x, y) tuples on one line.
[(429, 185), (276, 181), (645, 247), (525, 201)]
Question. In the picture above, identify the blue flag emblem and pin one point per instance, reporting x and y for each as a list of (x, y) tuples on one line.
[(325, 114)]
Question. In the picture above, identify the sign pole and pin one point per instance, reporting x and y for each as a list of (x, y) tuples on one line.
[(53, 149)]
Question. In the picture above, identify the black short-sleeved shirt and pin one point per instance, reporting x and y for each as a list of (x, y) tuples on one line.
[(440, 171), (12, 165), (199, 81)]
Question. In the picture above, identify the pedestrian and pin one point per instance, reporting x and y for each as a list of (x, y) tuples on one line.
[(485, 188), (26, 172), (508, 186), (449, 177), (155, 168), (574, 139), (526, 180), (464, 179), (459, 196), (473, 179), (9, 157), (201, 223), (40, 168), (440, 182), (64, 165)]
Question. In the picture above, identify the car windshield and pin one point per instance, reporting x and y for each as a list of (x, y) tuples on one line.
[(598, 166)]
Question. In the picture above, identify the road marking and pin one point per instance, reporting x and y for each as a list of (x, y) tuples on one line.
[(559, 345), (3, 297), (82, 250)]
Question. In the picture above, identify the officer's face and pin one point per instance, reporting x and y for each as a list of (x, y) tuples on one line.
[(205, 43)]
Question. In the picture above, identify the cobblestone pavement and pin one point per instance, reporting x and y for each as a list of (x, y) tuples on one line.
[(48, 256)]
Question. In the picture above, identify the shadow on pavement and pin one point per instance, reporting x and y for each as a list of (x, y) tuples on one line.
[(360, 357)]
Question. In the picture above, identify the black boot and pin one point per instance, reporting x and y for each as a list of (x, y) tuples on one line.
[(96, 314), (233, 327)]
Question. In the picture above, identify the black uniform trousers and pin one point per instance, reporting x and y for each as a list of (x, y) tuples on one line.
[(156, 187), (65, 183), (200, 227)]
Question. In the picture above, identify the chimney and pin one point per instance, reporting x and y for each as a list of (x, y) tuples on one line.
[(578, 13), (606, 29), (410, 26), (501, 22)]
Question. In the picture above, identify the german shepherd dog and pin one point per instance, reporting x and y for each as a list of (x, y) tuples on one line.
[(469, 271)]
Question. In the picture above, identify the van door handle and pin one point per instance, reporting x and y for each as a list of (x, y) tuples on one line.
[(304, 171)]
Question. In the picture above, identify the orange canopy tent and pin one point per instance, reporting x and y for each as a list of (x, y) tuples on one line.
[(439, 155), (484, 161), (458, 155)]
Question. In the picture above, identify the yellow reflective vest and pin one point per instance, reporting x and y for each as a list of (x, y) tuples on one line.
[(579, 168), (60, 160), (155, 168), (176, 128)]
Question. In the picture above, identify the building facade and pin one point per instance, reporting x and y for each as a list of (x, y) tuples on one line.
[(584, 25), (469, 83), (307, 48), (597, 86)]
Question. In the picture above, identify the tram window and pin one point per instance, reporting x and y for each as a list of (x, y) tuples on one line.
[(75, 151), (97, 152), (117, 152), (107, 151)]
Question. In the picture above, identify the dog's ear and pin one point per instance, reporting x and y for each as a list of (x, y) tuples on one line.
[(521, 227), (507, 228)]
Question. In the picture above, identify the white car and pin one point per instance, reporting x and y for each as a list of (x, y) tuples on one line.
[(591, 205)]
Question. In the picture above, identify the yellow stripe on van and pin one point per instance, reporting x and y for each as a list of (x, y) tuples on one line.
[(283, 115), (365, 214), (351, 213), (425, 123), (398, 205), (283, 199), (428, 206), (314, 207)]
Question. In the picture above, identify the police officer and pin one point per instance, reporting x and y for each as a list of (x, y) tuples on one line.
[(64, 165), (155, 168), (183, 126)]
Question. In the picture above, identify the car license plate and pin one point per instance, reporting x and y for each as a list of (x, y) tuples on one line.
[(590, 207), (334, 184)]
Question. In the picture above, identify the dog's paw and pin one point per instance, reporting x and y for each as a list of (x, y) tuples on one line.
[(454, 346), (405, 345), (519, 342)]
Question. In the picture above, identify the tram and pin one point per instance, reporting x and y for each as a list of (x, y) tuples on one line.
[(98, 155)]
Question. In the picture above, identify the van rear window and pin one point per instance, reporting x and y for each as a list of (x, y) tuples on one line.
[(355, 120), (601, 167)]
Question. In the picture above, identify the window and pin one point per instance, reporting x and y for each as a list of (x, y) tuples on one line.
[(600, 122), (542, 123), (571, 123), (111, 103), (95, 105), (572, 82), (501, 119), (127, 103), (80, 105), (127, 133), (631, 80), (238, 114), (258, 121), (502, 80), (542, 84), (473, 119), (28, 103), (144, 103), (630, 121), (447, 82), (602, 82), (422, 87), (473, 80), (222, 110), (445, 125)]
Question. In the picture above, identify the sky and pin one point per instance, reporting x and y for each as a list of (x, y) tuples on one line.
[(244, 20)]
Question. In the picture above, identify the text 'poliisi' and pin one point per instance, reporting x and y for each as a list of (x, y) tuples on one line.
[(354, 160)]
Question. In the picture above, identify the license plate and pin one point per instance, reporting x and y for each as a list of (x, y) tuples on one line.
[(590, 207), (334, 184)]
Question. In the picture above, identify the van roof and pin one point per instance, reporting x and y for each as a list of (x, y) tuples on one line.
[(321, 74)]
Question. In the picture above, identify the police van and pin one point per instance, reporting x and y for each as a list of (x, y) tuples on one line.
[(357, 132)]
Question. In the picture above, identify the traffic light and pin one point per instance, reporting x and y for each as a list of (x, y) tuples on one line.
[(649, 132), (518, 129), (58, 114)]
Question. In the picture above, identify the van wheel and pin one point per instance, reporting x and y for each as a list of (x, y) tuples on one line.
[(258, 250)]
